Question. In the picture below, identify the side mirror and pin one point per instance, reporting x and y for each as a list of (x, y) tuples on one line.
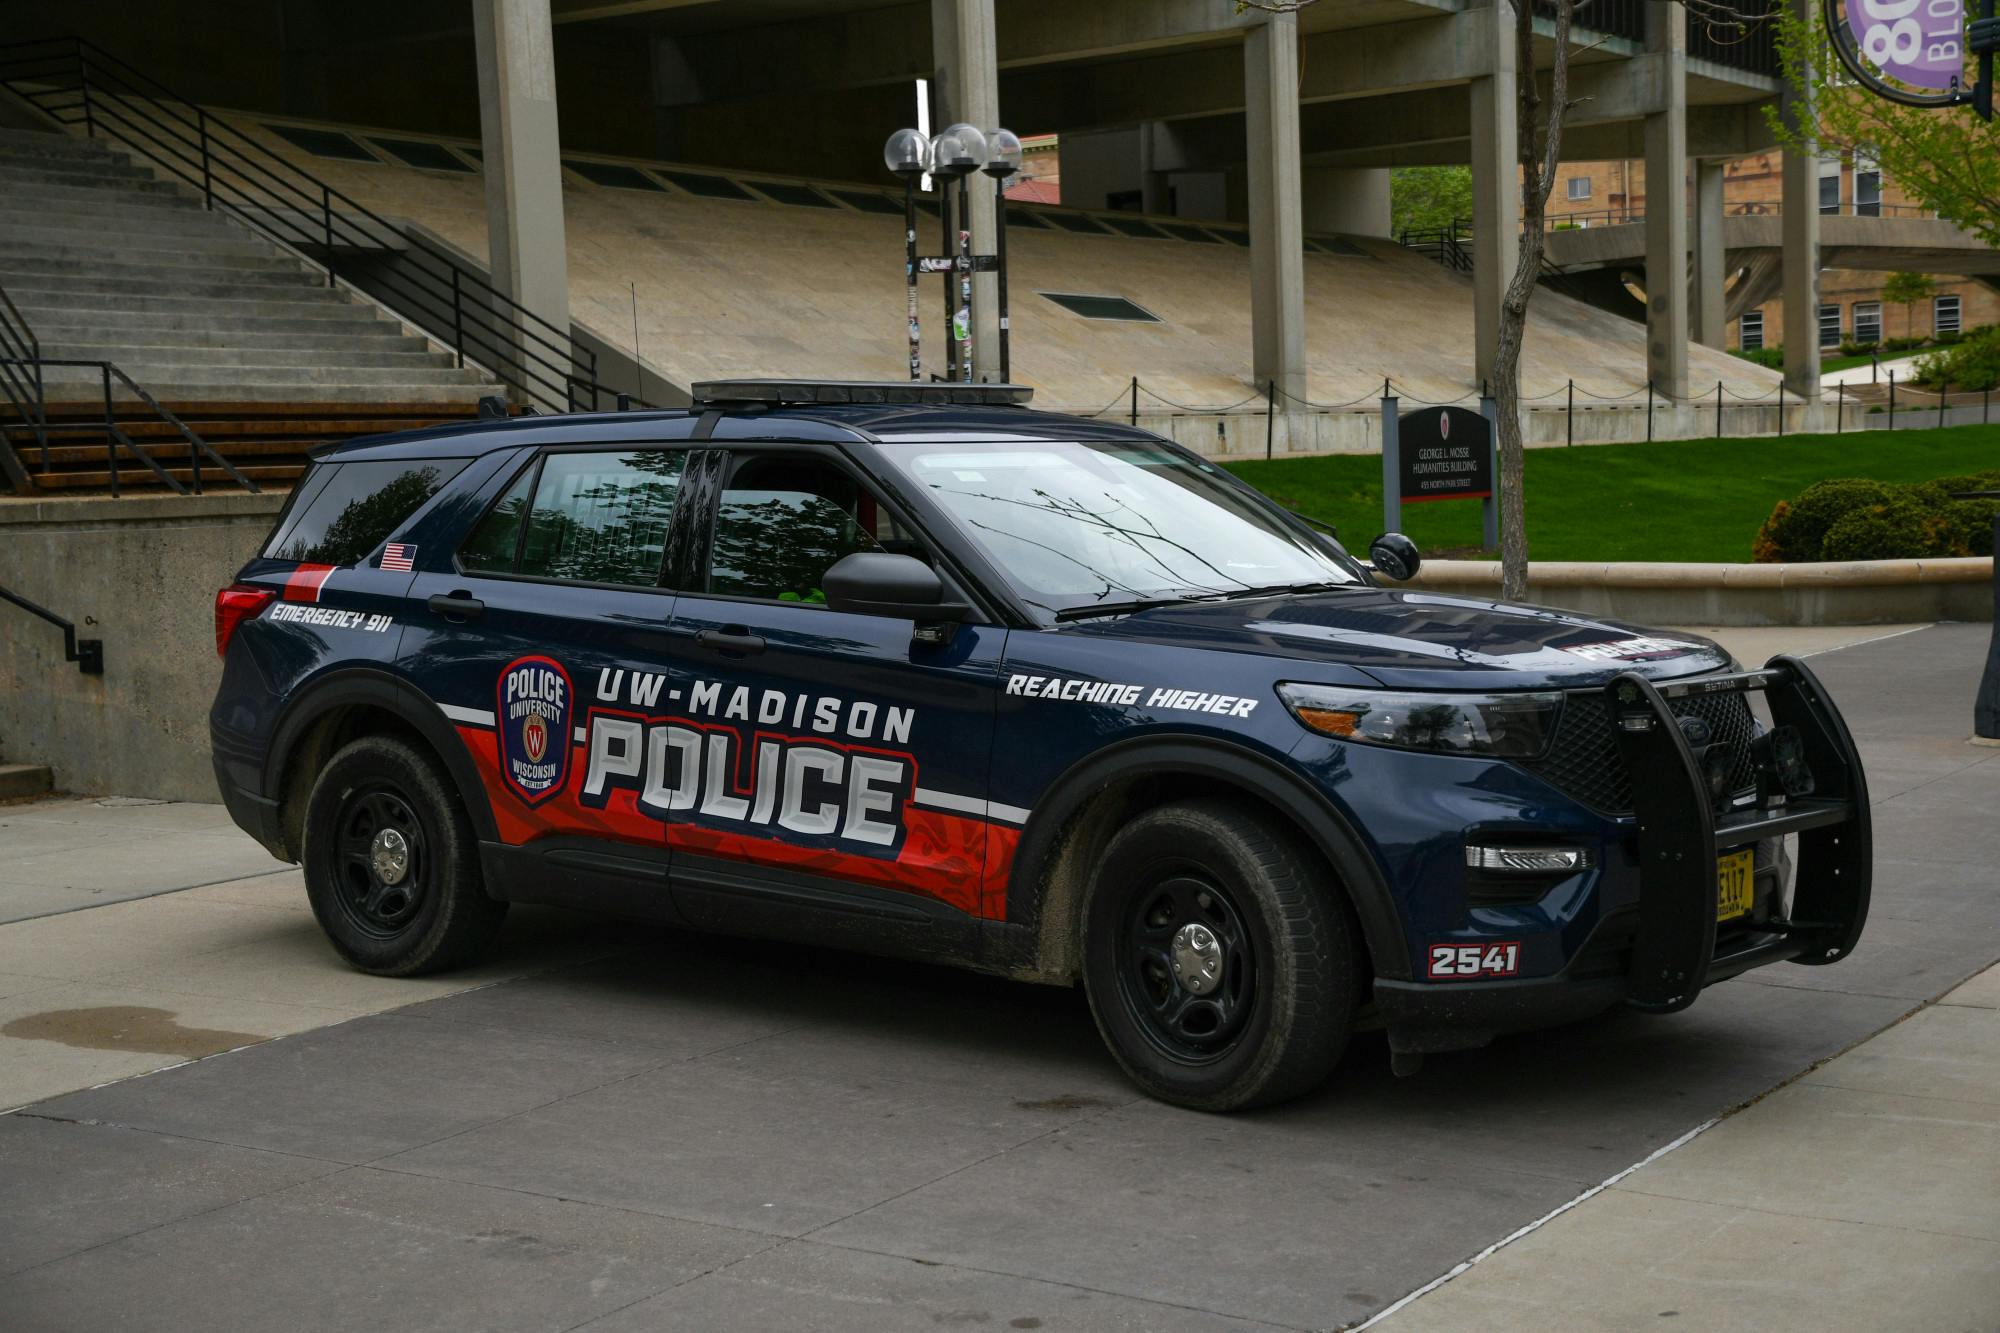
[(1395, 556), (876, 583)]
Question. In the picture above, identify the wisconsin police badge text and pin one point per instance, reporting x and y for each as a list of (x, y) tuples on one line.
[(534, 727)]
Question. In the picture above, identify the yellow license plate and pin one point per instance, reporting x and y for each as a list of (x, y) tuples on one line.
[(1736, 879)]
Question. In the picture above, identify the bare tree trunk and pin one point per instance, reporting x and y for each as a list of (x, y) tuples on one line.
[(1539, 160)]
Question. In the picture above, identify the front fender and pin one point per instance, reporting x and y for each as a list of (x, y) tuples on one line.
[(1230, 767)]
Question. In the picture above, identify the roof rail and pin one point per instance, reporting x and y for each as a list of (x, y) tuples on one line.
[(937, 393)]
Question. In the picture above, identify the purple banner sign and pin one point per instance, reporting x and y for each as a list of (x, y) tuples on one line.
[(1918, 43)]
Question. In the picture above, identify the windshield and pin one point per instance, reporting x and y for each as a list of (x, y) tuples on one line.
[(1075, 526)]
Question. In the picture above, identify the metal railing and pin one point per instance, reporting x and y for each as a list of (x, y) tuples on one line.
[(1749, 45), (88, 654), (24, 385), (1740, 208), (21, 385), (77, 83)]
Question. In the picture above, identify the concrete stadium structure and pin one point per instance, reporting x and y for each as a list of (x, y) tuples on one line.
[(1286, 123)]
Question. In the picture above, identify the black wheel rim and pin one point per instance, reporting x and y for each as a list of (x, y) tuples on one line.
[(382, 862), (1192, 1015)]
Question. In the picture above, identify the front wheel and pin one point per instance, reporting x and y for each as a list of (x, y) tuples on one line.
[(1219, 961), (391, 865)]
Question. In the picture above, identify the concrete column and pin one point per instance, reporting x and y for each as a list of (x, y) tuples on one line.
[(515, 49), (1800, 243), (1277, 235), (1666, 206), (1496, 185), (1353, 200), (966, 87), (1708, 298)]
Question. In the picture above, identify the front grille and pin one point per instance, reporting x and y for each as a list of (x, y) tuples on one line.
[(1583, 763)]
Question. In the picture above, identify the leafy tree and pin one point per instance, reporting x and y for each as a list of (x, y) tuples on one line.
[(1946, 158), (1429, 198), (1906, 289)]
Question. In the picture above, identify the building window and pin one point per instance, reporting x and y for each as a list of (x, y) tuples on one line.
[(1750, 330), (1945, 315), (1579, 187), (1867, 186), (1867, 322), (1829, 326), (1829, 185)]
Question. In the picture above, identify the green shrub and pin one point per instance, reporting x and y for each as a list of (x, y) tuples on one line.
[(1904, 344), (1771, 358), (1849, 347), (1854, 519), (1973, 362), (1947, 339)]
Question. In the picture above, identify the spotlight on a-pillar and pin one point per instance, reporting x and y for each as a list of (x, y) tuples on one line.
[(1003, 154), (907, 154)]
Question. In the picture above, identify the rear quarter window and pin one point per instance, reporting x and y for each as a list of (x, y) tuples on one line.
[(345, 510)]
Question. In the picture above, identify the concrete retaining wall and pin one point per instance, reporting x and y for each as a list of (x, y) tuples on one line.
[(140, 574), (1860, 592), (1248, 434)]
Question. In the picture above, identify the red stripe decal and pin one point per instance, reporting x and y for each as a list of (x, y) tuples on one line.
[(303, 584), (953, 858)]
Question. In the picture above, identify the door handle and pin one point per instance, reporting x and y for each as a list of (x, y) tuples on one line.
[(732, 640), (456, 606)]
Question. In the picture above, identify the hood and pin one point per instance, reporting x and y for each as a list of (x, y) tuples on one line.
[(1423, 640)]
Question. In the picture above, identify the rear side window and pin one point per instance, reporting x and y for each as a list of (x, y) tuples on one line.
[(351, 508), (595, 518)]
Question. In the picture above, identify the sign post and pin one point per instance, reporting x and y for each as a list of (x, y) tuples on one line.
[(1438, 453)]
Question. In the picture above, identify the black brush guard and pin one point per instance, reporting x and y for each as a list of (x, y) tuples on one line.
[(1680, 836)]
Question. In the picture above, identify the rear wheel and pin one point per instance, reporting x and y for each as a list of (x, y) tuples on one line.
[(392, 869), (1219, 964)]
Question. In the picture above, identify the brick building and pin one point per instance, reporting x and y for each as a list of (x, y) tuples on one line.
[(1596, 194)]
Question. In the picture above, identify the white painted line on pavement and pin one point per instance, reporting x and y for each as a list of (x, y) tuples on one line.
[(1879, 638), (1537, 1224)]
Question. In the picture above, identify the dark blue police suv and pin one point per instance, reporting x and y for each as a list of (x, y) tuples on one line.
[(916, 670)]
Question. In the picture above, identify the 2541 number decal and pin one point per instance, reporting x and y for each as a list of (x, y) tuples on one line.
[(1458, 961)]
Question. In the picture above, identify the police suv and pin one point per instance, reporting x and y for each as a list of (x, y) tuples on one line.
[(915, 670)]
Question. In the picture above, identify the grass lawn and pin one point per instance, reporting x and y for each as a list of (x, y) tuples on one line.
[(1698, 500)]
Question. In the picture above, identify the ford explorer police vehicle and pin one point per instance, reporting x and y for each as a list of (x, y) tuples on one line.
[(916, 670)]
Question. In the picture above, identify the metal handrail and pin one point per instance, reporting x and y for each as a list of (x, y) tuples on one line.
[(114, 434), (24, 392), (88, 654), (272, 195)]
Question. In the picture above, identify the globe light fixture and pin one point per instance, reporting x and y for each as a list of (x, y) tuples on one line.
[(907, 154), (959, 151), (1003, 154)]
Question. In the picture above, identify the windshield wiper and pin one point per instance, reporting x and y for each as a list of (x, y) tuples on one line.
[(1274, 589), (1127, 608)]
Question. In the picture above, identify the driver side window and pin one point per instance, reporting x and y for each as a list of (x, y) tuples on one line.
[(782, 521)]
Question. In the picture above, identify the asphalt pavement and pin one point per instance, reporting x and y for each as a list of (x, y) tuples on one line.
[(629, 1128)]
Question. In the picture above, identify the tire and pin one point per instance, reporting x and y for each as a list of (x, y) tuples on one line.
[(1264, 1003), (376, 799)]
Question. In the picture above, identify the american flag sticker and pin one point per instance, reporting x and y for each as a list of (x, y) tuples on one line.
[(399, 555)]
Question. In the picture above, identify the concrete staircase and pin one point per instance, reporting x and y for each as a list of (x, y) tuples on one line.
[(107, 263)]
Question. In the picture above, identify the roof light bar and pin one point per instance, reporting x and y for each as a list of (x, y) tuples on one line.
[(710, 392)]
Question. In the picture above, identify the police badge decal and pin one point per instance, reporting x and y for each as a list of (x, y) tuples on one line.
[(533, 724)]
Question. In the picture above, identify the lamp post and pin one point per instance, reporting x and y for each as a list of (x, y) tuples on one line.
[(908, 154), (953, 156)]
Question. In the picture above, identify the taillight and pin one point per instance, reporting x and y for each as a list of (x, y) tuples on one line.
[(234, 605)]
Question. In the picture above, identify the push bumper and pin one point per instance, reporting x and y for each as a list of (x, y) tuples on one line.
[(1673, 949)]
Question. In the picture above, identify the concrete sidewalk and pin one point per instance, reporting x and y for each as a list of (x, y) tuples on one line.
[(1865, 1195)]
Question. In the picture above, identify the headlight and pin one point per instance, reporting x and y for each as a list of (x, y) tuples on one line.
[(1508, 726)]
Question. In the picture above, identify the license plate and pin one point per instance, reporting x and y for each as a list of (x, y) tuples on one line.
[(1735, 876)]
